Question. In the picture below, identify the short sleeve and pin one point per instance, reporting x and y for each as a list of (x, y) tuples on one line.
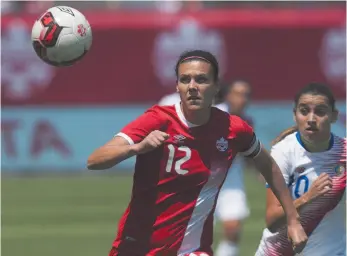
[(249, 145), (138, 129), (281, 158)]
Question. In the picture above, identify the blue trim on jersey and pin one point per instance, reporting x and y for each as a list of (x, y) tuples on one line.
[(298, 138), (331, 141)]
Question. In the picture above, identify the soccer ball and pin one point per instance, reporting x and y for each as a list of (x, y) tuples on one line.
[(61, 36)]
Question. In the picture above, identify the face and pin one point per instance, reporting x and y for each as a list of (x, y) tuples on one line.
[(313, 116), (238, 96), (196, 84)]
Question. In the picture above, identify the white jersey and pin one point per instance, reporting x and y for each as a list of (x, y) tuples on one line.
[(324, 219)]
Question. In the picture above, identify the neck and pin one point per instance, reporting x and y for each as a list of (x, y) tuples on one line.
[(197, 117), (316, 146), (236, 113)]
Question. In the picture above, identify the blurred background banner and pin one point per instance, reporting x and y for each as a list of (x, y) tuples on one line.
[(133, 55), (60, 139)]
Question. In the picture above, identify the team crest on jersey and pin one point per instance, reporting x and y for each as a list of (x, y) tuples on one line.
[(339, 169), (222, 144), (300, 169)]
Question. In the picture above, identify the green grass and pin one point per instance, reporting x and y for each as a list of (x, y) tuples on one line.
[(78, 215)]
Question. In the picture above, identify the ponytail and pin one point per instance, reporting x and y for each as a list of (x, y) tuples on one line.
[(284, 134)]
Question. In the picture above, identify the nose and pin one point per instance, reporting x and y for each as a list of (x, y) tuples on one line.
[(311, 118), (311, 121), (192, 86)]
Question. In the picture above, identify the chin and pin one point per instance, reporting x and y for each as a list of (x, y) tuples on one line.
[(313, 136), (195, 107)]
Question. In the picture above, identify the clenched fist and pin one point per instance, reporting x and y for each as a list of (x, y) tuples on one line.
[(319, 187), (152, 141), (297, 236)]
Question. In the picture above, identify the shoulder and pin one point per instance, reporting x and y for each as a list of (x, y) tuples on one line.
[(286, 146), (166, 114), (160, 110), (339, 141), (237, 124), (159, 113), (339, 146)]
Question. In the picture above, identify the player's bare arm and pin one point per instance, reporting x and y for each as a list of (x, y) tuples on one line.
[(118, 149), (275, 216), (272, 174)]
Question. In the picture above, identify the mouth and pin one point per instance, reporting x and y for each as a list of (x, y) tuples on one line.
[(311, 129), (193, 98)]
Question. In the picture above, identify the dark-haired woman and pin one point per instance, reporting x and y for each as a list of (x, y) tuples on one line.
[(183, 155), (313, 164)]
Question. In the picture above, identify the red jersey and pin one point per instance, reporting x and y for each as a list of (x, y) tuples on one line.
[(176, 185)]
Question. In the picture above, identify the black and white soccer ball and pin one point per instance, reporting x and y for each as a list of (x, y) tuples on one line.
[(61, 36)]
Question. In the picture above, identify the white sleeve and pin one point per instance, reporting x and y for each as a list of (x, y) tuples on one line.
[(281, 156)]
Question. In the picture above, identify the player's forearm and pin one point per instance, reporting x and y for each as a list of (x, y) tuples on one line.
[(274, 178), (108, 156), (275, 216)]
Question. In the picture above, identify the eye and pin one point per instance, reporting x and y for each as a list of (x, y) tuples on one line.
[(185, 79), (320, 111), (304, 111), (201, 79)]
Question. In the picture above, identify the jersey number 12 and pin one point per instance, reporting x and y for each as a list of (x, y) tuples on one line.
[(177, 164)]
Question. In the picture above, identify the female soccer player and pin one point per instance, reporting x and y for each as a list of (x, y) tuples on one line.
[(183, 155), (313, 164), (231, 208)]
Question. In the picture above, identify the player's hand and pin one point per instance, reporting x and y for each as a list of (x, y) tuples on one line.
[(320, 186), (297, 236), (153, 140)]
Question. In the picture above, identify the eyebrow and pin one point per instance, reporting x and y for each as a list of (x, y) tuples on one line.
[(317, 106), (199, 74)]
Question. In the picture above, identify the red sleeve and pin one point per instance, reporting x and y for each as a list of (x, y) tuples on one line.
[(248, 143), (138, 129)]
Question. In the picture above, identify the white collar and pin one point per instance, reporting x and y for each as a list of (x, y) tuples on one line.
[(181, 116)]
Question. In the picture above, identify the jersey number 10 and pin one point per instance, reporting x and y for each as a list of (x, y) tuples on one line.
[(177, 164), (301, 186)]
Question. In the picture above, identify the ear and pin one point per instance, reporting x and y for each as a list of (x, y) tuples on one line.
[(177, 88), (218, 85), (217, 90), (335, 116)]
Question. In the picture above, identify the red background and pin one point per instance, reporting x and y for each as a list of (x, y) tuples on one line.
[(278, 51)]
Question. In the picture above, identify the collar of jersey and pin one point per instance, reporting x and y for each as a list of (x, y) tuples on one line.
[(331, 143), (181, 116)]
